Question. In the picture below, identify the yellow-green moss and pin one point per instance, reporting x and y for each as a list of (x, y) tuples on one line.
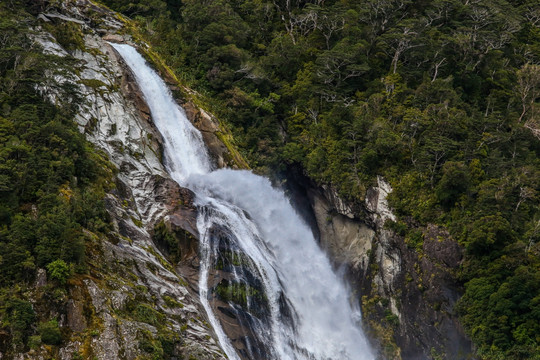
[(160, 258)]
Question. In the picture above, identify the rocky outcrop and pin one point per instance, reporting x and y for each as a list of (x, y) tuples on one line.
[(132, 302), (407, 287), (348, 242)]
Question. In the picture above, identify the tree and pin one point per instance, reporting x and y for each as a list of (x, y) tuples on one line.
[(336, 68), (20, 317), (454, 183), (528, 91), (488, 235), (58, 270)]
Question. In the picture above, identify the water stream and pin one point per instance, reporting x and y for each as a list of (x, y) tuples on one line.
[(272, 273)]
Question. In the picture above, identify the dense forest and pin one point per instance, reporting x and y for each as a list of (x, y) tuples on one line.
[(52, 185), (441, 97)]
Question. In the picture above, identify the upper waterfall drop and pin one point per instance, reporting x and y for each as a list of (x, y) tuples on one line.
[(304, 311), (184, 150)]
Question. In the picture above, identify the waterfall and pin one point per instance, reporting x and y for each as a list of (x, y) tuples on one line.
[(258, 257), (185, 152)]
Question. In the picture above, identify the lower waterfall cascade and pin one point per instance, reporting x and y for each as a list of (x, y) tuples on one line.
[(281, 282)]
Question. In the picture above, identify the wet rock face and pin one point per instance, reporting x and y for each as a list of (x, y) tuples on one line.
[(237, 295)]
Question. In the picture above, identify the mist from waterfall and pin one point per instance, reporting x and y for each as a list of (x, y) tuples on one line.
[(323, 321)]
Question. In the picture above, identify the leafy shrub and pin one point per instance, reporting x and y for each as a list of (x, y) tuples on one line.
[(34, 342), (147, 314), (50, 332), (58, 270)]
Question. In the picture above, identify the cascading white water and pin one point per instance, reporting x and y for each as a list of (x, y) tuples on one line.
[(285, 256), (185, 152), (326, 325)]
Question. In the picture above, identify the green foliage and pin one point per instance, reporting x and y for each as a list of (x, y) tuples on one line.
[(34, 342), (501, 307), (59, 271), (18, 316), (68, 35), (50, 332), (147, 314), (415, 239), (489, 234), (453, 183), (161, 346), (391, 319), (240, 294), (52, 181), (166, 239), (172, 303)]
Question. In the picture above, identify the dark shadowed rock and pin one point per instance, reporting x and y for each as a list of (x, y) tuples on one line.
[(75, 317)]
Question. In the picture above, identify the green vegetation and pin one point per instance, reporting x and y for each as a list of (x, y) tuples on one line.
[(18, 317), (161, 344), (68, 35), (52, 182), (160, 347), (147, 314), (172, 303), (50, 332), (59, 271), (166, 240), (240, 294), (232, 258), (438, 96)]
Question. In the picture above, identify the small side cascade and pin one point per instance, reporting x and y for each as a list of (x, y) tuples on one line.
[(261, 267)]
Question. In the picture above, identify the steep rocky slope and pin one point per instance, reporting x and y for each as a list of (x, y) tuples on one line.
[(133, 302)]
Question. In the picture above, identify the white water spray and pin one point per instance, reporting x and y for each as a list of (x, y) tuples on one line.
[(281, 247)]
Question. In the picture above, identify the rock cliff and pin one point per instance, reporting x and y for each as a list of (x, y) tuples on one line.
[(133, 301), (407, 289)]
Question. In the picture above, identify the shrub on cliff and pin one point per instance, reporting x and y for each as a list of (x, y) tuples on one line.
[(50, 332)]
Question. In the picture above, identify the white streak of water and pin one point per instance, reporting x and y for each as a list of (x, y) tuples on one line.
[(185, 152)]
